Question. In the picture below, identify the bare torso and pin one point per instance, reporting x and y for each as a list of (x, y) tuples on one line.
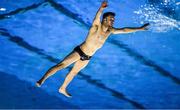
[(95, 40)]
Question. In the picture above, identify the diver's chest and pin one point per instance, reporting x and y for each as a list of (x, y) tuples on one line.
[(102, 36)]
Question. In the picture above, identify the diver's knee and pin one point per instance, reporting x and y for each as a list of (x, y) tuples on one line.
[(61, 65)]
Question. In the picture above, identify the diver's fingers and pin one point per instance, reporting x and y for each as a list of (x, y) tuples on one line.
[(104, 4)]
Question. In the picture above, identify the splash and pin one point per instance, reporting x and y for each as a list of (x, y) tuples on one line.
[(159, 21), (2, 9)]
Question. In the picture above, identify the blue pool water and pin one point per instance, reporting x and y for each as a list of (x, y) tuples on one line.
[(136, 70)]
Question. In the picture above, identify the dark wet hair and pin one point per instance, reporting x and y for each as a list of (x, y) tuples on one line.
[(108, 14)]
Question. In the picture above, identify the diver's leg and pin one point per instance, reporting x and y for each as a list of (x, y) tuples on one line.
[(79, 65), (71, 58)]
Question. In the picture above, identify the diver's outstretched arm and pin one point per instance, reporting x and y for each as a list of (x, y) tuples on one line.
[(99, 13), (129, 29)]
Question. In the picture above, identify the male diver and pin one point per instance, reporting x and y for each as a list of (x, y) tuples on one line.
[(98, 33)]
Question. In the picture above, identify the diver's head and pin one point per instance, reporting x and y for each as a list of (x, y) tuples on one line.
[(108, 19)]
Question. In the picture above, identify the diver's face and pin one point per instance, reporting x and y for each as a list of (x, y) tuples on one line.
[(109, 21)]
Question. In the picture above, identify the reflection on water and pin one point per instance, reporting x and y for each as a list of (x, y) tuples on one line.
[(169, 8), (162, 15)]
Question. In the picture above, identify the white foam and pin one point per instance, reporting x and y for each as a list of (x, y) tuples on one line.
[(158, 21), (178, 3), (2, 9)]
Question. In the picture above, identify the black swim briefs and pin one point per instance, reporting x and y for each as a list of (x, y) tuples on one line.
[(82, 55)]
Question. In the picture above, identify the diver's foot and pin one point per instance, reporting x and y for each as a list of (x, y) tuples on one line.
[(38, 84), (64, 92)]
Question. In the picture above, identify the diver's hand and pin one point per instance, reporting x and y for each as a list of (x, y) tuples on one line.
[(104, 4), (145, 26)]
